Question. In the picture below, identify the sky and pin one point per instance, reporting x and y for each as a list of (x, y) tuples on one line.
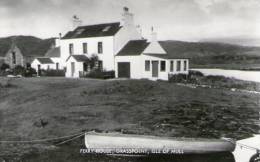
[(188, 20)]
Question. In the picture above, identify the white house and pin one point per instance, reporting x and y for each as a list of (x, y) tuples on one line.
[(51, 60), (150, 60), (119, 47), (102, 40), (42, 63)]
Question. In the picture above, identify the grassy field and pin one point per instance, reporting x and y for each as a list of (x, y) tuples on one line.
[(68, 106)]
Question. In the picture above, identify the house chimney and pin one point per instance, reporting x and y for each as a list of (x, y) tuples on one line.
[(153, 35), (76, 22), (128, 18)]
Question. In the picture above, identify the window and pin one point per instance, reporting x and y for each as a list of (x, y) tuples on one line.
[(147, 65), (162, 65), (106, 28), (57, 66), (171, 66), (178, 65), (100, 47), (85, 48), (14, 57), (100, 65), (185, 65), (71, 49)]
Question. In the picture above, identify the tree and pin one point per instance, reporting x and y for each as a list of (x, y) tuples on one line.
[(93, 60)]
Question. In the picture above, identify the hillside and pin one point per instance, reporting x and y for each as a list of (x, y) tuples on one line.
[(69, 106), (218, 55), (29, 45), (202, 54)]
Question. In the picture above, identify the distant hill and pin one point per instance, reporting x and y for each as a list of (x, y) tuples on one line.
[(242, 40), (202, 54), (218, 55), (29, 45)]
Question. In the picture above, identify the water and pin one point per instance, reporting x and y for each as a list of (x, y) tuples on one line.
[(237, 74)]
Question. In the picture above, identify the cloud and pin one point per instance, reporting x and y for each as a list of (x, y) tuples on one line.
[(173, 19)]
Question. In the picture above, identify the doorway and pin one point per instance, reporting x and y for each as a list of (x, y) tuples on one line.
[(155, 65), (72, 69)]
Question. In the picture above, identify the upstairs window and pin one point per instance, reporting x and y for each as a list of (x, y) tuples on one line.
[(85, 48), (14, 57), (100, 47), (163, 66), (171, 66), (185, 65), (147, 65), (71, 49), (178, 65), (106, 28)]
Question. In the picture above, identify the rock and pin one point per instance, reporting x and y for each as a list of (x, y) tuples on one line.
[(41, 123)]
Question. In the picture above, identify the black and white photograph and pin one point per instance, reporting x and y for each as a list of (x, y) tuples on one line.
[(129, 81)]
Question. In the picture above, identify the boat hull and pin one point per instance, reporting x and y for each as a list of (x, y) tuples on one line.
[(142, 145)]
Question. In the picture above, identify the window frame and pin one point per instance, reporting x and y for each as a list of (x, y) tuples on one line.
[(71, 48), (162, 68), (147, 66), (171, 65), (185, 65), (57, 66), (14, 58), (85, 47), (100, 47), (178, 65), (100, 64)]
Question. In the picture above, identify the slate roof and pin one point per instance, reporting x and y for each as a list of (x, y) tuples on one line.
[(133, 48), (79, 58), (173, 49), (99, 30), (53, 52), (45, 60)]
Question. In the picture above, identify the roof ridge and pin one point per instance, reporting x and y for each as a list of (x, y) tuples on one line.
[(98, 24)]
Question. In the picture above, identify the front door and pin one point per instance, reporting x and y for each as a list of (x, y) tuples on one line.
[(155, 68), (72, 69)]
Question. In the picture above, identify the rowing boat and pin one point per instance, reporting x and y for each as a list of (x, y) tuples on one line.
[(116, 143)]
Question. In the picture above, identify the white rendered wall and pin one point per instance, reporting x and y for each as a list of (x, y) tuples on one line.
[(163, 75), (124, 35), (108, 49), (135, 66), (35, 64), (58, 60), (154, 48)]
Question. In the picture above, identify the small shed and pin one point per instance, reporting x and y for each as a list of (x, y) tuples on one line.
[(42, 63)]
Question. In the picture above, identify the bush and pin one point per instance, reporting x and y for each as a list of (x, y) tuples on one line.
[(99, 74), (4, 66), (19, 70), (195, 73), (30, 72), (52, 72), (178, 78)]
